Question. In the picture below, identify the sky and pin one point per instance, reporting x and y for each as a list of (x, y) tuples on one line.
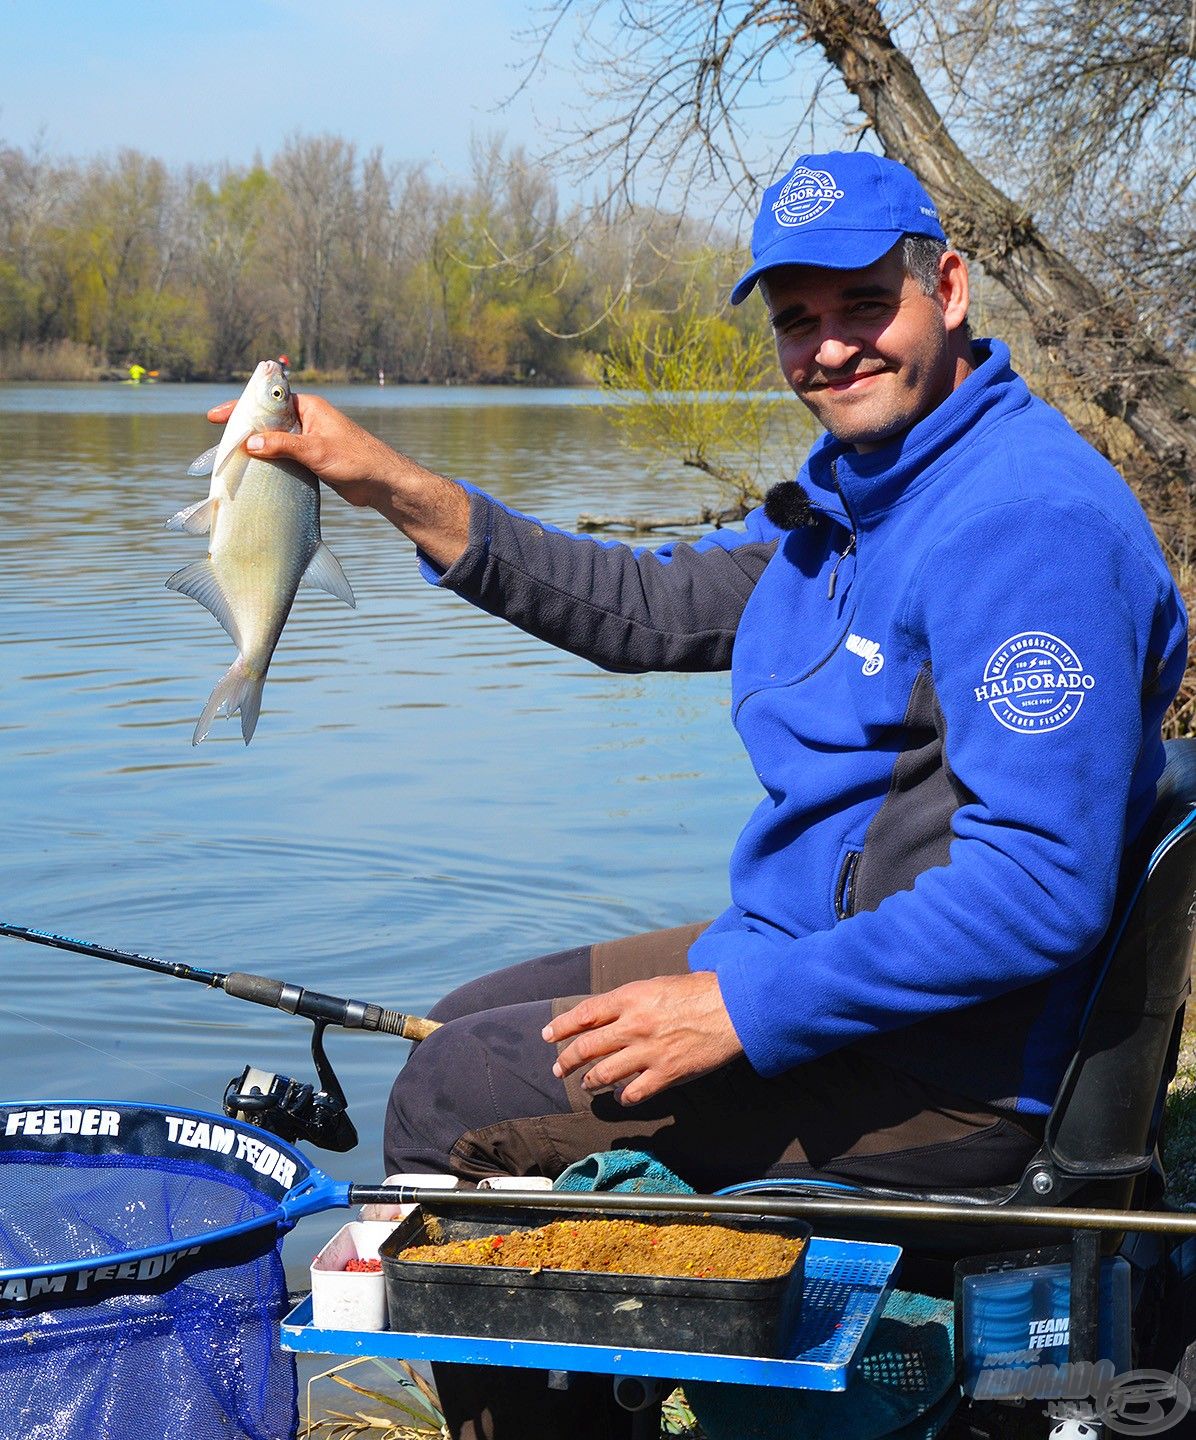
[(205, 81)]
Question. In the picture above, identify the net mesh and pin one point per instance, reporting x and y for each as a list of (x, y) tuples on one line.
[(106, 1205), (181, 1344)]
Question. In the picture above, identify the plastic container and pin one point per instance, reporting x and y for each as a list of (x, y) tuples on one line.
[(730, 1317), (1012, 1320), (515, 1182), (347, 1299)]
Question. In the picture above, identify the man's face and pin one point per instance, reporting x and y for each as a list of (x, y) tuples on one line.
[(868, 352)]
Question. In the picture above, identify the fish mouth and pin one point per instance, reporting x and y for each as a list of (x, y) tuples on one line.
[(271, 384)]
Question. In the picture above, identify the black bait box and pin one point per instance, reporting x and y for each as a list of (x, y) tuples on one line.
[(589, 1307)]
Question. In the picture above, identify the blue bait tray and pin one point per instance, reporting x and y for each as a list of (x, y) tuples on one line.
[(846, 1284)]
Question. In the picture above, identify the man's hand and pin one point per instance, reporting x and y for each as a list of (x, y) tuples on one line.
[(650, 1034), (364, 471)]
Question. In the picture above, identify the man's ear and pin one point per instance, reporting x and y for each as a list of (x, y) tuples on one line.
[(954, 292)]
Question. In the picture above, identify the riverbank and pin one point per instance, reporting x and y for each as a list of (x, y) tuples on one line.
[(67, 361)]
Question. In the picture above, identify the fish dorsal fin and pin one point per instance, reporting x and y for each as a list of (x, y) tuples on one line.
[(197, 519), (202, 464), (324, 573), (201, 582)]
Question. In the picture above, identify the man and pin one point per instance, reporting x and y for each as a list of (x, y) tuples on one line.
[(952, 643)]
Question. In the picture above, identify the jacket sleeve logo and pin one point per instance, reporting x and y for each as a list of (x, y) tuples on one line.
[(1034, 682)]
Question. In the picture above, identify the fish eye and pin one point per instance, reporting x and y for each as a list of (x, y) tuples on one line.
[(278, 392)]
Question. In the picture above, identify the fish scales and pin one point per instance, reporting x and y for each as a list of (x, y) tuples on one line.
[(264, 541), (263, 522)]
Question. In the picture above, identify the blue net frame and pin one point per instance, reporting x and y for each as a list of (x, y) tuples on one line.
[(141, 1279)]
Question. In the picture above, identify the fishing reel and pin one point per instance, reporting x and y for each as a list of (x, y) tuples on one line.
[(291, 1109)]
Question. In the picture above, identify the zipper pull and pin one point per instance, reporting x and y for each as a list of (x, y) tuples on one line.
[(847, 549)]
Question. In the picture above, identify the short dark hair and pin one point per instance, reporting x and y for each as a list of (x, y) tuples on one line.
[(920, 255)]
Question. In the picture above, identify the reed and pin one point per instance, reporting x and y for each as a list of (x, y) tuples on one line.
[(55, 360)]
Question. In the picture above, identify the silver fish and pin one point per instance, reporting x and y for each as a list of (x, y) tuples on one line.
[(263, 522)]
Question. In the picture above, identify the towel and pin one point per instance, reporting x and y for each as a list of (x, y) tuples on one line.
[(626, 1170)]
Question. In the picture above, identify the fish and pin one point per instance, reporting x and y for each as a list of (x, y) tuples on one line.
[(262, 519)]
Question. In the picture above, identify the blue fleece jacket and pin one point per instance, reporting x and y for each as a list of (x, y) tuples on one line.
[(950, 686)]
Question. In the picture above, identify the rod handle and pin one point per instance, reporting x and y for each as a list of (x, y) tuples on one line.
[(258, 988), (407, 1027)]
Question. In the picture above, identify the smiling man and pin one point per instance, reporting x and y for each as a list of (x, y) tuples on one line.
[(870, 351), (952, 640)]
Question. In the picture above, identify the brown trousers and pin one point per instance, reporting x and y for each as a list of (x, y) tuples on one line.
[(479, 1098)]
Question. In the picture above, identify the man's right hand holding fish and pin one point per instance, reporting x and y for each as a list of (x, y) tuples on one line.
[(430, 509)]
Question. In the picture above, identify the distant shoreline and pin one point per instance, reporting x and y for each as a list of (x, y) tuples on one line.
[(301, 378)]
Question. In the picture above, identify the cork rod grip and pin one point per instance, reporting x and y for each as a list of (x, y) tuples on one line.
[(407, 1027)]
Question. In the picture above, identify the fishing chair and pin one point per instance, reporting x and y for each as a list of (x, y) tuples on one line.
[(1100, 1143)]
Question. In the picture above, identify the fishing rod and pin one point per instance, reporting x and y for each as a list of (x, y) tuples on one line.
[(833, 1207), (286, 1107)]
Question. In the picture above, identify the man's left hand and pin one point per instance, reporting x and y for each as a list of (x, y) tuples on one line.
[(647, 1036)]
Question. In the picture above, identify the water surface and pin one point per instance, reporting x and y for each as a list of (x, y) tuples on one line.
[(430, 793)]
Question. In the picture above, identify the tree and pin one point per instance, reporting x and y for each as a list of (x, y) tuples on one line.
[(232, 253), (690, 386), (691, 74), (117, 228), (316, 176), (31, 208)]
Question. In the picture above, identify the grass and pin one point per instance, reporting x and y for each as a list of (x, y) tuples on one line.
[(401, 1405), (1179, 1122), (59, 360)]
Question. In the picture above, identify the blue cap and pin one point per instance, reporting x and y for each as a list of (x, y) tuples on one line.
[(839, 211)]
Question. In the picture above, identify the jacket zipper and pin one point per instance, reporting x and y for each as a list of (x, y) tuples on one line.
[(846, 551), (845, 885), (850, 546)]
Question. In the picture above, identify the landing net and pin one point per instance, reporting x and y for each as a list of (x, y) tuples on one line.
[(141, 1279)]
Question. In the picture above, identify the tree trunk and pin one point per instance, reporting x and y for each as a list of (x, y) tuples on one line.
[(1120, 368)]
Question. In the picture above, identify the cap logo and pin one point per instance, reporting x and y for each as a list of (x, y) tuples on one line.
[(805, 196)]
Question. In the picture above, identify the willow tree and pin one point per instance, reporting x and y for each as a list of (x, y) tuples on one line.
[(690, 385), (1078, 112)]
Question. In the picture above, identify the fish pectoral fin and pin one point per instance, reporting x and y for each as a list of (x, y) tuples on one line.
[(197, 519), (202, 583), (324, 573), (232, 467), (203, 464)]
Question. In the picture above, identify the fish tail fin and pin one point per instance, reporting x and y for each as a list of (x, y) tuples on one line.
[(251, 705), (239, 689)]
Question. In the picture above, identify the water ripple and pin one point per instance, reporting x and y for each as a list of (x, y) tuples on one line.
[(430, 792)]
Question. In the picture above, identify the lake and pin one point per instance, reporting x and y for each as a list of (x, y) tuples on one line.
[(430, 793)]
